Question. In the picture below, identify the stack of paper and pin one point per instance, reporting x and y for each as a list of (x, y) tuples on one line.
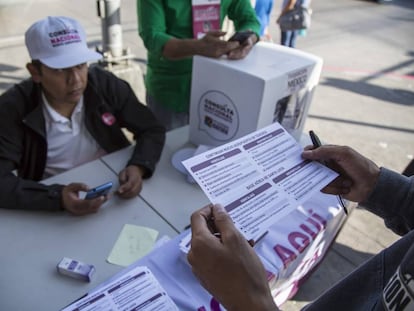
[(136, 290)]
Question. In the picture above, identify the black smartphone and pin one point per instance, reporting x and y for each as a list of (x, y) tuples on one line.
[(98, 191), (241, 36)]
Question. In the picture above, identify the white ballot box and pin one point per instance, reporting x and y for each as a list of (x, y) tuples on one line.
[(232, 98)]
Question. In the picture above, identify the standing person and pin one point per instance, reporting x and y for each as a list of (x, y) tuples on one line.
[(288, 37), (231, 271), (263, 10), (168, 31), (67, 114)]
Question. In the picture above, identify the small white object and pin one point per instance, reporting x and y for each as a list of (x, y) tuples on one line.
[(202, 148), (178, 157), (383, 144), (76, 269), (181, 155)]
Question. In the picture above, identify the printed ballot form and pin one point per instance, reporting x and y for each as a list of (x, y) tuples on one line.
[(258, 178), (137, 289)]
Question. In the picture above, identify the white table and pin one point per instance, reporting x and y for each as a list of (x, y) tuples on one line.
[(167, 191), (32, 243)]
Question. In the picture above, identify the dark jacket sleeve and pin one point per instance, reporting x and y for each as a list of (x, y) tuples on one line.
[(131, 114), (19, 193), (24, 192), (393, 200)]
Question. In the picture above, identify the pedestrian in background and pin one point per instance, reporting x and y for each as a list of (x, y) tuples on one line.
[(288, 37), (263, 10)]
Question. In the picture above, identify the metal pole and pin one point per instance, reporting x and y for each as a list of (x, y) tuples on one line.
[(109, 12)]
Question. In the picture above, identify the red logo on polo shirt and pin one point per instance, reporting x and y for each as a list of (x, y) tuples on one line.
[(108, 118)]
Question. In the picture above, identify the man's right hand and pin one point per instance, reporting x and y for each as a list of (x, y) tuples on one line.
[(77, 206)]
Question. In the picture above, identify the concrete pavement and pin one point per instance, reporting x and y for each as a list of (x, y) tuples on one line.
[(365, 98)]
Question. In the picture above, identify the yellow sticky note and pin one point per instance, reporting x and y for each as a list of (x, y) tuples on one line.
[(133, 243)]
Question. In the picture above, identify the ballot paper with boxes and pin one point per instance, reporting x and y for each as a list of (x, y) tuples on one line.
[(232, 98)]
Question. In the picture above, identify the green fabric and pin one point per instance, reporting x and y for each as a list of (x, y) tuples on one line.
[(169, 82)]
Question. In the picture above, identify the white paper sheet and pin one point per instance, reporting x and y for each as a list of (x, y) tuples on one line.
[(258, 178), (136, 290)]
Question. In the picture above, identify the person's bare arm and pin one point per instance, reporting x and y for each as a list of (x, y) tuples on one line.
[(211, 45)]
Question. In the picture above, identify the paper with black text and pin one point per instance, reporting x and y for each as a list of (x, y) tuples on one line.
[(258, 178), (135, 290)]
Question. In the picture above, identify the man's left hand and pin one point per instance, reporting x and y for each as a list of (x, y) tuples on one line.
[(130, 180)]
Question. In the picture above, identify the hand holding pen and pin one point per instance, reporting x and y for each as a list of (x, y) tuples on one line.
[(316, 144), (357, 174), (227, 265)]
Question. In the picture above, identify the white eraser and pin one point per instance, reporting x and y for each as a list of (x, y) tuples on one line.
[(75, 269)]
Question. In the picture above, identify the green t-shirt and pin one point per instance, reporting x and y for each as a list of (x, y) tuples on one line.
[(169, 81)]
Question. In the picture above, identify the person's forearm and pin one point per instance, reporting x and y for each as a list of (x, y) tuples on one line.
[(176, 49), (19, 193)]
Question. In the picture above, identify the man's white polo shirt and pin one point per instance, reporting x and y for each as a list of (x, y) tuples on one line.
[(69, 143)]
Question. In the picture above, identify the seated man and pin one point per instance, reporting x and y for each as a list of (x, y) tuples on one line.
[(231, 271), (65, 115)]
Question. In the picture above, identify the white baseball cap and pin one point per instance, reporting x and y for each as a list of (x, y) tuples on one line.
[(59, 42)]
